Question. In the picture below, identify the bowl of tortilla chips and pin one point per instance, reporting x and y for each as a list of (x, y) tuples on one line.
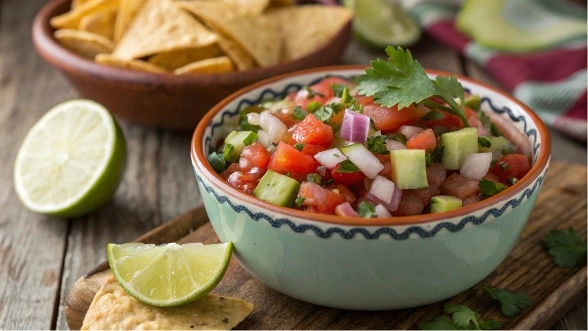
[(164, 63)]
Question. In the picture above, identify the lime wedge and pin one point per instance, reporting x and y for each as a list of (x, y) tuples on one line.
[(381, 23), (71, 160), (168, 275)]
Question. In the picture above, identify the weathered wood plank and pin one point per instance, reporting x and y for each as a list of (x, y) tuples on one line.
[(31, 245)]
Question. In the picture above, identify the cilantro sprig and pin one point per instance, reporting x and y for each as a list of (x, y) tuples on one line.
[(402, 81), (462, 318), (377, 145), (366, 209), (566, 247), (511, 303), (489, 188)]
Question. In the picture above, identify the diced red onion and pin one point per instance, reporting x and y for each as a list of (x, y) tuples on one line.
[(365, 160), (475, 166), (409, 130), (263, 138), (382, 188), (393, 145), (382, 212), (476, 123), (330, 158), (355, 127), (512, 133), (345, 210), (253, 118), (273, 126), (390, 206)]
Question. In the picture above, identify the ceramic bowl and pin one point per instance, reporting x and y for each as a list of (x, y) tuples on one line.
[(367, 264), (166, 101)]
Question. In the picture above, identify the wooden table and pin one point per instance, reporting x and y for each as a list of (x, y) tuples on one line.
[(41, 257)]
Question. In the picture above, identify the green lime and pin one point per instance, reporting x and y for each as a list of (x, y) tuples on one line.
[(169, 275), (71, 161), (381, 23)]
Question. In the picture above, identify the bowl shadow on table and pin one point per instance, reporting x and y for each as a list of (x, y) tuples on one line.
[(156, 100)]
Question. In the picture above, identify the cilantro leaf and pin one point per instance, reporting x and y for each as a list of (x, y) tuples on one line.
[(442, 322), (489, 325), (377, 145), (490, 188), (299, 201), (506, 150), (366, 209), (462, 315), (346, 167), (484, 142), (437, 154), (495, 131), (299, 113), (313, 106), (511, 303), (299, 146), (337, 89), (326, 112), (402, 81), (463, 318), (433, 116), (312, 93), (566, 247)]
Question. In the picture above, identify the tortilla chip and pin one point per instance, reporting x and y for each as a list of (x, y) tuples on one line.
[(259, 36), (101, 23), (281, 3), (127, 11), (215, 65), (249, 7), (76, 3), (160, 26), (308, 27), (136, 65), (71, 19), (177, 59), (242, 60), (113, 309), (84, 43)]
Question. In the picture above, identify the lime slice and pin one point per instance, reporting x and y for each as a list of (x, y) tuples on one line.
[(168, 275), (71, 160), (381, 23)]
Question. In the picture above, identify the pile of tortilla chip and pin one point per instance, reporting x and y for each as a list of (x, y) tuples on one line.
[(196, 36)]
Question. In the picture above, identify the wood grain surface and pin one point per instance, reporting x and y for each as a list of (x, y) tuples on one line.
[(41, 257), (528, 269)]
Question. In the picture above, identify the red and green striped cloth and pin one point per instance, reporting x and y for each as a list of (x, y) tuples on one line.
[(551, 81)]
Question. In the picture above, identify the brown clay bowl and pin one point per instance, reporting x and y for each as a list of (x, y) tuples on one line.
[(156, 100)]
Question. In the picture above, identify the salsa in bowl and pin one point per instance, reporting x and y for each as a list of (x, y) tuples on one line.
[(375, 263)]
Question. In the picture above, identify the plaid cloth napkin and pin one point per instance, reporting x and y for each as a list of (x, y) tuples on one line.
[(552, 81)]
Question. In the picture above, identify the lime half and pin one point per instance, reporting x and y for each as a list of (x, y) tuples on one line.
[(71, 160), (168, 275), (381, 23)]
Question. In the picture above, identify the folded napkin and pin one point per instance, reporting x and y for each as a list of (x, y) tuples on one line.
[(546, 70)]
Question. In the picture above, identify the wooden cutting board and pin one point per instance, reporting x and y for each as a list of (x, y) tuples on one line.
[(528, 269)]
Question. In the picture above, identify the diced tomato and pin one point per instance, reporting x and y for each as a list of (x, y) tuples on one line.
[(347, 178), (323, 200), (286, 159), (343, 190), (243, 180), (364, 100), (511, 166), (492, 177), (425, 140), (234, 167), (410, 204), (450, 120), (322, 92), (254, 155), (391, 119), (473, 199), (312, 149), (314, 132), (436, 174), (287, 119), (460, 187)]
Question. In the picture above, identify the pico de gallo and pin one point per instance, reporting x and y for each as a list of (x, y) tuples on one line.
[(389, 143)]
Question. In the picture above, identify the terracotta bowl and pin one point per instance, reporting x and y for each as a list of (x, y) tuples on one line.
[(156, 100)]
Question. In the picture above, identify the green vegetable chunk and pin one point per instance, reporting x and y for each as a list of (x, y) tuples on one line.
[(496, 146), (473, 102), (409, 169), (236, 142), (511, 303), (458, 145), (217, 162), (566, 247), (277, 189), (443, 203)]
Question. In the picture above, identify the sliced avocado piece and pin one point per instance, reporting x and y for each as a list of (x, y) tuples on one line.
[(277, 189), (497, 144), (235, 143), (458, 145), (473, 102), (442, 203), (217, 162), (409, 168)]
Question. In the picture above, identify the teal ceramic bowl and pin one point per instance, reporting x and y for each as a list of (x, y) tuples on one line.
[(367, 264)]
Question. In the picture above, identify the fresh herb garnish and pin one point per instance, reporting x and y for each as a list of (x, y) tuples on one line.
[(484, 142), (299, 201), (346, 167), (326, 112), (435, 156), (337, 89), (356, 107), (463, 318), (398, 137), (511, 303), (366, 209), (299, 146), (433, 116), (299, 113), (377, 145), (311, 93), (217, 162), (346, 96), (507, 150), (489, 188), (566, 247), (314, 178), (313, 106), (495, 131), (402, 81)]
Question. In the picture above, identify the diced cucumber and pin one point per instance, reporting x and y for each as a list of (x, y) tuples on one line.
[(473, 102), (458, 145), (497, 144), (277, 189), (217, 162), (442, 203), (236, 142), (409, 169)]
